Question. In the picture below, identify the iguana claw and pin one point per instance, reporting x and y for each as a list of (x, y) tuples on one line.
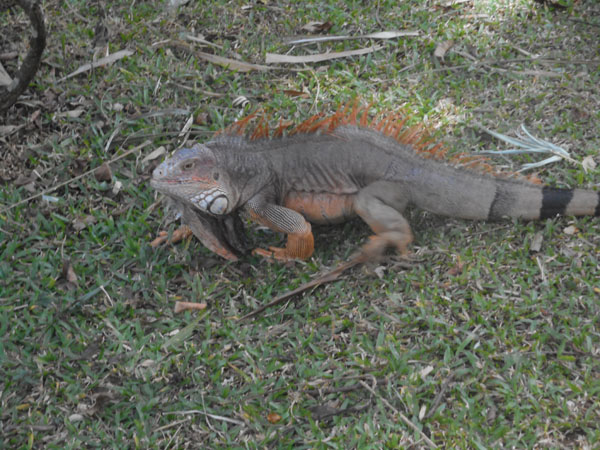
[(277, 253)]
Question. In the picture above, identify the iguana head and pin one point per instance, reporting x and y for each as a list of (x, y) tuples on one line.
[(192, 176)]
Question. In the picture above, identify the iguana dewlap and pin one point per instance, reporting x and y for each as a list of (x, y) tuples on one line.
[(328, 170)]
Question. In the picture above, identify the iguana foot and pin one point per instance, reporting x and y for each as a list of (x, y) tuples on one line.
[(178, 235), (298, 246), (277, 253), (377, 244)]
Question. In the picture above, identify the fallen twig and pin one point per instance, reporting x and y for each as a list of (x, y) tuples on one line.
[(327, 278), (99, 63), (275, 58), (378, 35), (405, 419), (233, 64), (30, 65), (439, 397), (78, 177), (212, 416)]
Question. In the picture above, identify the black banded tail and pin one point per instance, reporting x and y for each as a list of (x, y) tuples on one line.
[(534, 202), (569, 202)]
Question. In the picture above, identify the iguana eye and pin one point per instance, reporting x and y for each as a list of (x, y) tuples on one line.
[(188, 165), (216, 176)]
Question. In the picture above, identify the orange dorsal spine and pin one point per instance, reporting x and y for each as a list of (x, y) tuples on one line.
[(391, 124)]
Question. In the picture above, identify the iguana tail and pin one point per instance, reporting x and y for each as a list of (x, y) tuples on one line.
[(469, 195)]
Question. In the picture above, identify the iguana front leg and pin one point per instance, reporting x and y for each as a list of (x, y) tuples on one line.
[(222, 235), (300, 242), (381, 205)]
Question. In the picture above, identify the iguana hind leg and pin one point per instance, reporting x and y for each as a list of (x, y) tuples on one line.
[(300, 242), (381, 205)]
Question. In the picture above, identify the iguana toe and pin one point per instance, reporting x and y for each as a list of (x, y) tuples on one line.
[(376, 246), (178, 235), (276, 253)]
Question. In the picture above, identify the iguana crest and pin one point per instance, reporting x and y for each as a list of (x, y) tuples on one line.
[(255, 126)]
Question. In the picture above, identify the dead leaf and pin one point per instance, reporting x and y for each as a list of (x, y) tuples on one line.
[(5, 79), (9, 129), (274, 58), (81, 223), (22, 179), (442, 48), (36, 118), (380, 272), (536, 243), (99, 63), (220, 60), (155, 154), (292, 93), (68, 273), (320, 412), (174, 4), (148, 363), (78, 166), (588, 163), (231, 63), (571, 230), (188, 306), (201, 118), (201, 40), (273, 418), (456, 270), (187, 125), (103, 173), (73, 114), (455, 2), (317, 27), (50, 198), (422, 411), (117, 187), (344, 37), (425, 371)]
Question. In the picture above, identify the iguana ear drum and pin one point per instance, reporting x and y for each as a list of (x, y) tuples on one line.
[(212, 201), (219, 205)]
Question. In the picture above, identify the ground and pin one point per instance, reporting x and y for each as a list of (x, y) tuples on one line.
[(488, 337)]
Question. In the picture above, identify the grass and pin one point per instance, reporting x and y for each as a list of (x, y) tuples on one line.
[(480, 342)]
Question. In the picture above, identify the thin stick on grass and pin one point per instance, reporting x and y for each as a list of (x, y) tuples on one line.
[(327, 278), (212, 416), (78, 177), (405, 419)]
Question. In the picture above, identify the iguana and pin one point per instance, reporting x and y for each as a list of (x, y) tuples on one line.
[(331, 168)]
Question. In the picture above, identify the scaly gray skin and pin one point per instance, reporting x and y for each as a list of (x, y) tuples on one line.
[(224, 235), (287, 182)]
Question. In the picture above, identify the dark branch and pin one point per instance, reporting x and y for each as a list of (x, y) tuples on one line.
[(30, 65)]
